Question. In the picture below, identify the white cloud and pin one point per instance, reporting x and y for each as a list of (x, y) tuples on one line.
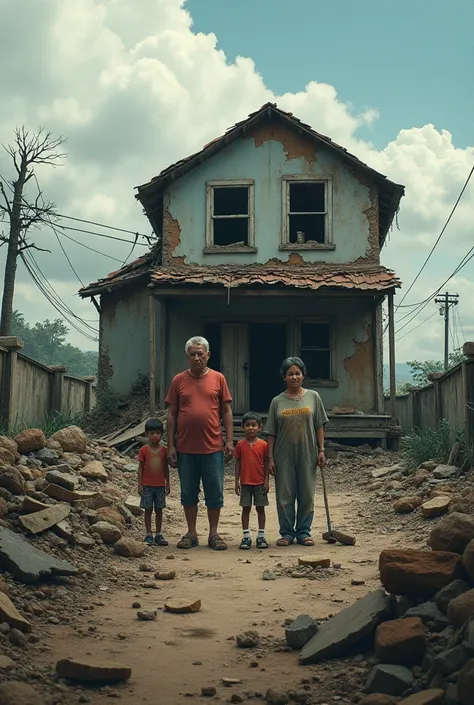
[(134, 88)]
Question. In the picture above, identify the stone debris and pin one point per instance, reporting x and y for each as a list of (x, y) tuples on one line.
[(453, 533), (182, 606), (129, 548), (63, 479), (40, 521), (435, 507), (10, 614), (95, 471), (30, 440), (72, 439), (445, 472), (314, 561), (406, 505), (269, 575), (147, 615), (248, 640), (17, 693), (109, 533), (276, 697), (434, 696), (468, 559), (461, 608), (401, 642), (347, 628), (466, 684), (299, 632), (208, 691), (92, 670), (133, 505), (420, 573), (389, 679), (6, 663), (27, 563), (165, 574)]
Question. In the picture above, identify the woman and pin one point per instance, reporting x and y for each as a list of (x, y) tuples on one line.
[(295, 435)]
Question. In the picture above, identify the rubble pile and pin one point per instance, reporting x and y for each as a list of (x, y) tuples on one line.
[(67, 505)]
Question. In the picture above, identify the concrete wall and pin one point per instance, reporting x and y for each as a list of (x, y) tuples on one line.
[(124, 339), (352, 335), (265, 156)]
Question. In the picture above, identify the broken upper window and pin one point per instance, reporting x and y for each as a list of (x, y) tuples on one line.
[(230, 215), (315, 349), (306, 217)]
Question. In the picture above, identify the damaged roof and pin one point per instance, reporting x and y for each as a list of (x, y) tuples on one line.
[(305, 276), (150, 193)]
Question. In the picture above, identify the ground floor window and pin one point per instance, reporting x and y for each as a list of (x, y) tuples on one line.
[(315, 349)]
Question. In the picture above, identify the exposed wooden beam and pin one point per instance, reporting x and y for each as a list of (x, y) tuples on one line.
[(391, 343), (151, 312)]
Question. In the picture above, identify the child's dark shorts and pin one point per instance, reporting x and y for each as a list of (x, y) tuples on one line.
[(253, 494), (153, 497)]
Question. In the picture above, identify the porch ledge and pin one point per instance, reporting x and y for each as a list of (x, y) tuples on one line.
[(237, 250), (293, 246)]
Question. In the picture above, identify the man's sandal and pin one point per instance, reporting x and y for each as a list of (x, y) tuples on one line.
[(188, 541), (216, 543), (307, 541), (284, 541)]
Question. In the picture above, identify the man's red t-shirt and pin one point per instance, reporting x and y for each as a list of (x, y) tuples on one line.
[(154, 463), (199, 403), (252, 461)]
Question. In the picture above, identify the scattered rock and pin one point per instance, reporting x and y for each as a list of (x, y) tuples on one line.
[(276, 697), (72, 439), (466, 684), (299, 632), (17, 638), (461, 608), (228, 682), (12, 480), (453, 533), (48, 456), (133, 505), (449, 661), (182, 606), (468, 559), (405, 505), (208, 691), (9, 444), (248, 640), (420, 477), (95, 471), (401, 642), (388, 679), (426, 697), (6, 458), (165, 574), (448, 593), (30, 440), (10, 614), (108, 532), (129, 548), (314, 561), (445, 472), (347, 628), (383, 472), (377, 699), (269, 575), (63, 479), (147, 615), (26, 562), (38, 522), (6, 663), (435, 507), (92, 670), (429, 613), (16, 693), (419, 573)]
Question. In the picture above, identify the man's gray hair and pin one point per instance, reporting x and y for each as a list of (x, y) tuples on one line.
[(196, 340)]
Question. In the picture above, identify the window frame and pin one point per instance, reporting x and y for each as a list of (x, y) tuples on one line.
[(210, 246), (328, 243), (310, 382)]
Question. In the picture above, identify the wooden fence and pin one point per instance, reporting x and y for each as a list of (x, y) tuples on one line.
[(449, 395), (30, 391)]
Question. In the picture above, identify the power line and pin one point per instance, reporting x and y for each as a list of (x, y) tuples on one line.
[(439, 237), (66, 255), (418, 326), (108, 237), (78, 242)]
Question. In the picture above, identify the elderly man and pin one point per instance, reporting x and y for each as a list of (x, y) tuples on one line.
[(198, 399)]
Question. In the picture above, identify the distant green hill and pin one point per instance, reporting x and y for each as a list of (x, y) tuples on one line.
[(402, 374)]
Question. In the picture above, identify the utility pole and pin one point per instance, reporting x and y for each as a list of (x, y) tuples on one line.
[(445, 302)]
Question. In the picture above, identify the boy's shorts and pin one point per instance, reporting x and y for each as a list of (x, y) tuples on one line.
[(153, 497), (253, 494)]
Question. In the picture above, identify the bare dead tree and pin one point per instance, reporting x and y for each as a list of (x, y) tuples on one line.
[(28, 151)]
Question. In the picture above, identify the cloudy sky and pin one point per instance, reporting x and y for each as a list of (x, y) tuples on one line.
[(137, 84)]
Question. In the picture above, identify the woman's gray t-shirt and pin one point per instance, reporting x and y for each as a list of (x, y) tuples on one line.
[(293, 423)]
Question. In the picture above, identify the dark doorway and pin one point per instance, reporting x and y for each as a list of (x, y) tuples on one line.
[(212, 334), (267, 343)]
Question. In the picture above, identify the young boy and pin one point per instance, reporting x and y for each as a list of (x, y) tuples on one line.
[(153, 480), (252, 478)]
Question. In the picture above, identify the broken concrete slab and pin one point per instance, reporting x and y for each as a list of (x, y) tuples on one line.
[(63, 479), (10, 614), (38, 522), (347, 627), (31, 505), (388, 679), (27, 563), (64, 495), (92, 670), (65, 531)]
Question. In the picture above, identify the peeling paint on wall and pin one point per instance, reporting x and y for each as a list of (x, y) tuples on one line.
[(171, 239), (372, 215), (295, 147), (360, 367)]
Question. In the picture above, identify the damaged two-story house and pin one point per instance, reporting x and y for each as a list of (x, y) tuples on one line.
[(268, 244)]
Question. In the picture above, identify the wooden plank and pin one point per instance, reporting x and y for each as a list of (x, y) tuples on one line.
[(152, 321), (130, 435), (41, 521), (234, 349), (391, 343)]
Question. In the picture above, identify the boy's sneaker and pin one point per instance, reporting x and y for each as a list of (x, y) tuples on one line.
[(246, 543), (160, 540), (149, 539), (262, 542)]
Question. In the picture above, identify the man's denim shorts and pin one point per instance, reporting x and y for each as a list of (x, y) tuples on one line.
[(209, 468)]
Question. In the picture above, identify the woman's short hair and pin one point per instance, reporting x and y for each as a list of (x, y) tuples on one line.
[(289, 362)]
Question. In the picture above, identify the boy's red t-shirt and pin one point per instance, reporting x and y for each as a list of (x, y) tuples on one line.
[(154, 463), (252, 461)]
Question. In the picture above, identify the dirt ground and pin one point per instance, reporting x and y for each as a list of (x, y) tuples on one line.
[(175, 656)]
